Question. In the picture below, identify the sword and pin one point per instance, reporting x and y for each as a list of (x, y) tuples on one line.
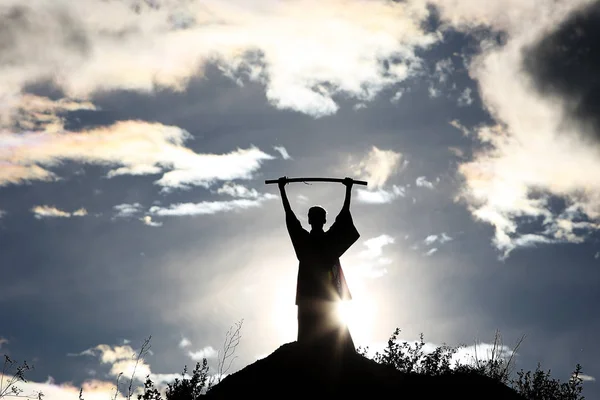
[(305, 180)]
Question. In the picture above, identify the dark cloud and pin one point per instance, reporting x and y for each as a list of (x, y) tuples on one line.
[(566, 63)]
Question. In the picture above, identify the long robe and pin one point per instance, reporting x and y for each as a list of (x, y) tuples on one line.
[(320, 275)]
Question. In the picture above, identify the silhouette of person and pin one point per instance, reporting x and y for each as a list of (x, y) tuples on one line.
[(321, 284)]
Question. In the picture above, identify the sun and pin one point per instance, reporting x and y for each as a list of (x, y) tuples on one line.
[(359, 316)]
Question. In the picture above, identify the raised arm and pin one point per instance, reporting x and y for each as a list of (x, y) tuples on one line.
[(348, 182), (281, 182)]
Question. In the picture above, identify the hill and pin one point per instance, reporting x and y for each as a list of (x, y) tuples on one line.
[(295, 370)]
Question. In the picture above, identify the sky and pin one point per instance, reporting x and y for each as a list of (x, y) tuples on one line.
[(136, 136)]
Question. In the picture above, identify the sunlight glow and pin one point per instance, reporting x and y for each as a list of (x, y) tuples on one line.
[(359, 315)]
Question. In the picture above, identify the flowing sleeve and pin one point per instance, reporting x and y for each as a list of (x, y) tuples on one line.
[(343, 233), (297, 234)]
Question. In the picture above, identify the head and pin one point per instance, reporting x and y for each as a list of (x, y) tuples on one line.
[(317, 216)]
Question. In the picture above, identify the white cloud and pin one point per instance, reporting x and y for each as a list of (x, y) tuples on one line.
[(147, 220), (374, 264), (445, 238), (423, 182), (53, 212), (49, 212), (587, 378), (441, 238), (375, 245), (430, 239), (82, 212), (378, 166), (2, 213), (597, 255), (159, 149), (140, 47), (207, 207), (433, 91), (123, 360), (236, 190), (431, 251), (443, 70), (185, 342), (481, 352), (28, 112), (206, 352), (465, 98), (460, 127), (92, 390), (3, 341), (531, 154), (127, 210), (397, 96), (465, 355), (380, 196), (284, 153)]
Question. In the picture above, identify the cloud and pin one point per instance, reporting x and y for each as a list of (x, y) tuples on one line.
[(130, 148), (587, 378), (127, 210), (430, 239), (544, 142), (92, 390), (237, 190), (397, 96), (2, 213), (465, 98), (443, 70), (444, 238), (245, 198), (82, 212), (423, 182), (431, 251), (53, 212), (3, 341), (206, 352), (206, 207), (563, 64), (465, 355), (480, 352), (49, 212), (375, 245), (380, 196), (28, 112), (378, 166), (441, 238), (143, 46), (123, 360), (147, 220), (460, 127), (284, 153), (302, 199), (374, 264), (185, 342)]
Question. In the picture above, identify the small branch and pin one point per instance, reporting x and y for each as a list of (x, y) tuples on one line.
[(232, 340), (143, 351)]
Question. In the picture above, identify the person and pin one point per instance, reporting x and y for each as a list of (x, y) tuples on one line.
[(321, 284)]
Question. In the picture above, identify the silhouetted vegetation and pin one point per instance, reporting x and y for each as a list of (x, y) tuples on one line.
[(14, 372), (497, 364), (408, 358)]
